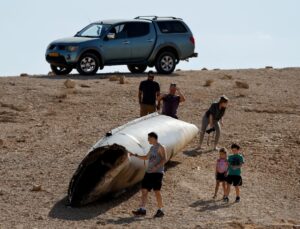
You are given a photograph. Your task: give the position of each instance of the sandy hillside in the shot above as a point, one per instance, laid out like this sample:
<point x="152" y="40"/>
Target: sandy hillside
<point x="46" y="131"/>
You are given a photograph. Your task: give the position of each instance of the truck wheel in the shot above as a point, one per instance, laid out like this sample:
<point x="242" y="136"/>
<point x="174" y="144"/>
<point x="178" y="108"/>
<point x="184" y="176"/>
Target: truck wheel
<point x="60" y="70"/>
<point x="88" y="64"/>
<point x="137" y="68"/>
<point x="165" y="63"/>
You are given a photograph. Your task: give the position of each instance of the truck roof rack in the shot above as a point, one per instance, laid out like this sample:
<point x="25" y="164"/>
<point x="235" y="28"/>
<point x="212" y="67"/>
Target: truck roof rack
<point x="153" y="17"/>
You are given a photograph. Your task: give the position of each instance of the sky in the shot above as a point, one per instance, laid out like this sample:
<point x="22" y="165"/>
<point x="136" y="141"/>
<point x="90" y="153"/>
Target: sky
<point x="229" y="34"/>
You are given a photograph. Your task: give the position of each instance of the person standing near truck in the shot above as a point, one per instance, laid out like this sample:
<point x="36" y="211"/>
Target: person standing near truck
<point x="149" y="91"/>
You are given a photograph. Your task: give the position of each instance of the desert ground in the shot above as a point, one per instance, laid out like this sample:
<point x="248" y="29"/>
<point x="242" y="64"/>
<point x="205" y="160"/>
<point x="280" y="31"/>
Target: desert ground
<point x="46" y="129"/>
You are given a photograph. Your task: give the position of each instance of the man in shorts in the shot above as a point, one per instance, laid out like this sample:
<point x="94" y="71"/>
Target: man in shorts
<point x="149" y="91"/>
<point x="153" y="176"/>
<point x="235" y="161"/>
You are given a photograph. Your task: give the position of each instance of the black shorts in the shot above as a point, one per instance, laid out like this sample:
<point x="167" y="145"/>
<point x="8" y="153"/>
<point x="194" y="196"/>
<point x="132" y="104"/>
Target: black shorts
<point x="152" y="181"/>
<point x="221" y="177"/>
<point x="234" y="180"/>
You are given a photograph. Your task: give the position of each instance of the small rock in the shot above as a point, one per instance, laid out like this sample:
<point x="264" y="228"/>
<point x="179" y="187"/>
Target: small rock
<point x="204" y="69"/>
<point x="24" y="75"/>
<point x="51" y="73"/>
<point x="12" y="84"/>
<point x="85" y="85"/>
<point x="40" y="217"/>
<point x="22" y="139"/>
<point x="70" y="83"/>
<point x="1" y="192"/>
<point x="36" y="188"/>
<point x="1" y="142"/>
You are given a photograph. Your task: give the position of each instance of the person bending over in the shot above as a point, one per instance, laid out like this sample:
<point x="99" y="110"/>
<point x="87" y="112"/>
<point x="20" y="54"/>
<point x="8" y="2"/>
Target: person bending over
<point x="212" y="119"/>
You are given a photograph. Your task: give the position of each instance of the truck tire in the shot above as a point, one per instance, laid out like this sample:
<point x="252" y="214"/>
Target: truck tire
<point x="165" y="63"/>
<point x="61" y="70"/>
<point x="137" y="68"/>
<point x="88" y="64"/>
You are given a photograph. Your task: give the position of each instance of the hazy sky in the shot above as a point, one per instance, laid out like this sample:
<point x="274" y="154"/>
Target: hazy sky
<point x="229" y="33"/>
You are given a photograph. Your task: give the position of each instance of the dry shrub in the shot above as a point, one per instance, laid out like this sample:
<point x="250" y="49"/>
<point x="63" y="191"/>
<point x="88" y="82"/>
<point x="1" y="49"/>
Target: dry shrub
<point x="62" y="95"/>
<point x="208" y="83"/>
<point x="13" y="106"/>
<point x="114" y="78"/>
<point x="269" y="67"/>
<point x="243" y="85"/>
<point x="204" y="69"/>
<point x="70" y="83"/>
<point x="227" y="77"/>
<point x="123" y="80"/>
<point x="24" y="75"/>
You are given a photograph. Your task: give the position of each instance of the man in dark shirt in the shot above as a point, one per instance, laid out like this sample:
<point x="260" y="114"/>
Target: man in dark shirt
<point x="149" y="91"/>
<point x="212" y="118"/>
<point x="171" y="101"/>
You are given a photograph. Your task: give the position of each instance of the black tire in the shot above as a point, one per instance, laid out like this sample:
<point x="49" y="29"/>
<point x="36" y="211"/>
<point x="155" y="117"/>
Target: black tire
<point x="165" y="63"/>
<point x="137" y="68"/>
<point x="88" y="64"/>
<point x="61" y="70"/>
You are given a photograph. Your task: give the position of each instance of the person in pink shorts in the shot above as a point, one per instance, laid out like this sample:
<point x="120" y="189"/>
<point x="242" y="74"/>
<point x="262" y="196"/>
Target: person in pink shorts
<point x="221" y="171"/>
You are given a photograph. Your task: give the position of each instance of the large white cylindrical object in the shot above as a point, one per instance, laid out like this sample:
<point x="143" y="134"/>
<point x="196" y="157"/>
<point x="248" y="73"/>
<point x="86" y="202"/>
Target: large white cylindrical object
<point x="108" y="168"/>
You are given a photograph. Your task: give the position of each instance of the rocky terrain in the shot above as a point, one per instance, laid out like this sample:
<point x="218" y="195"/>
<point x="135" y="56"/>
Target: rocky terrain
<point x="47" y="126"/>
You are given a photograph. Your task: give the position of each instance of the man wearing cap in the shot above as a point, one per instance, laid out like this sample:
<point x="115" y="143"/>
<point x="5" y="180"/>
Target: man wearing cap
<point x="212" y="119"/>
<point x="149" y="91"/>
<point x="171" y="101"/>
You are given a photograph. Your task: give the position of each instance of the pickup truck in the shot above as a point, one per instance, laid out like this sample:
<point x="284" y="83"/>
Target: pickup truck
<point x="145" y="41"/>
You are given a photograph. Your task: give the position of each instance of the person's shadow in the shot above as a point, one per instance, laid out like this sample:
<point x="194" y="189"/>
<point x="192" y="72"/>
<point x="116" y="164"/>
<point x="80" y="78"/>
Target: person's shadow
<point x="209" y="205"/>
<point x="61" y="210"/>
<point x="196" y="152"/>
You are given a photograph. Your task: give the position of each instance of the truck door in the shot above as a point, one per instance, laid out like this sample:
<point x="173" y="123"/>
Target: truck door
<point x="142" y="38"/>
<point x="116" y="47"/>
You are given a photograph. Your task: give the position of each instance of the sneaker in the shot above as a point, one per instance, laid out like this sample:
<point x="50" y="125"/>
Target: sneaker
<point x="139" y="212"/>
<point x="237" y="199"/>
<point x="159" y="214"/>
<point x="215" y="196"/>
<point x="226" y="199"/>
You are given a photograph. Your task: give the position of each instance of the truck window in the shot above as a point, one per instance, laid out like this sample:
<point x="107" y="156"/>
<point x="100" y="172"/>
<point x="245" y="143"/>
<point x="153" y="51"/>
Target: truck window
<point x="171" y="27"/>
<point x="138" y="29"/>
<point x="120" y="31"/>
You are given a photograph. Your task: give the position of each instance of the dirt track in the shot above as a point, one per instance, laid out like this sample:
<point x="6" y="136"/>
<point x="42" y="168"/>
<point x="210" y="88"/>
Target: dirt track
<point x="46" y="130"/>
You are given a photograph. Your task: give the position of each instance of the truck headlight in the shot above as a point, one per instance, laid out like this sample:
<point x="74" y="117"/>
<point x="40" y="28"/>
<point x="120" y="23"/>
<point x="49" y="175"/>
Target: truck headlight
<point x="71" y="48"/>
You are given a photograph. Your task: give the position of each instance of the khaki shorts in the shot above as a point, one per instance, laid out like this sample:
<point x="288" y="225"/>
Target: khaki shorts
<point x="147" y="109"/>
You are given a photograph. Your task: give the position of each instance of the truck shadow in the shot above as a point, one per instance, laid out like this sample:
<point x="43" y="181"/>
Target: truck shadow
<point x="61" y="209"/>
<point x="100" y="76"/>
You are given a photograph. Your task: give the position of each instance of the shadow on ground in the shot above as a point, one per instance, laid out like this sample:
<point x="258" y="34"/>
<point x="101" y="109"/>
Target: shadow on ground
<point x="196" y="152"/>
<point x="209" y="205"/>
<point x="98" y="76"/>
<point x="61" y="210"/>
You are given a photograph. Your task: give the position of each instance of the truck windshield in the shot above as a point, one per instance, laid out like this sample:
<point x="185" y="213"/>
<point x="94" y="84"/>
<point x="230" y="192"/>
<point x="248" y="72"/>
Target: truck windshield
<point x="93" y="30"/>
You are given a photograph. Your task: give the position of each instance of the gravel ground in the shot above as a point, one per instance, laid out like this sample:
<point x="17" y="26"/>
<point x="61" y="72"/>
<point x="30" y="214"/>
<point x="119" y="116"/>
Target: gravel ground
<point x="46" y="129"/>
